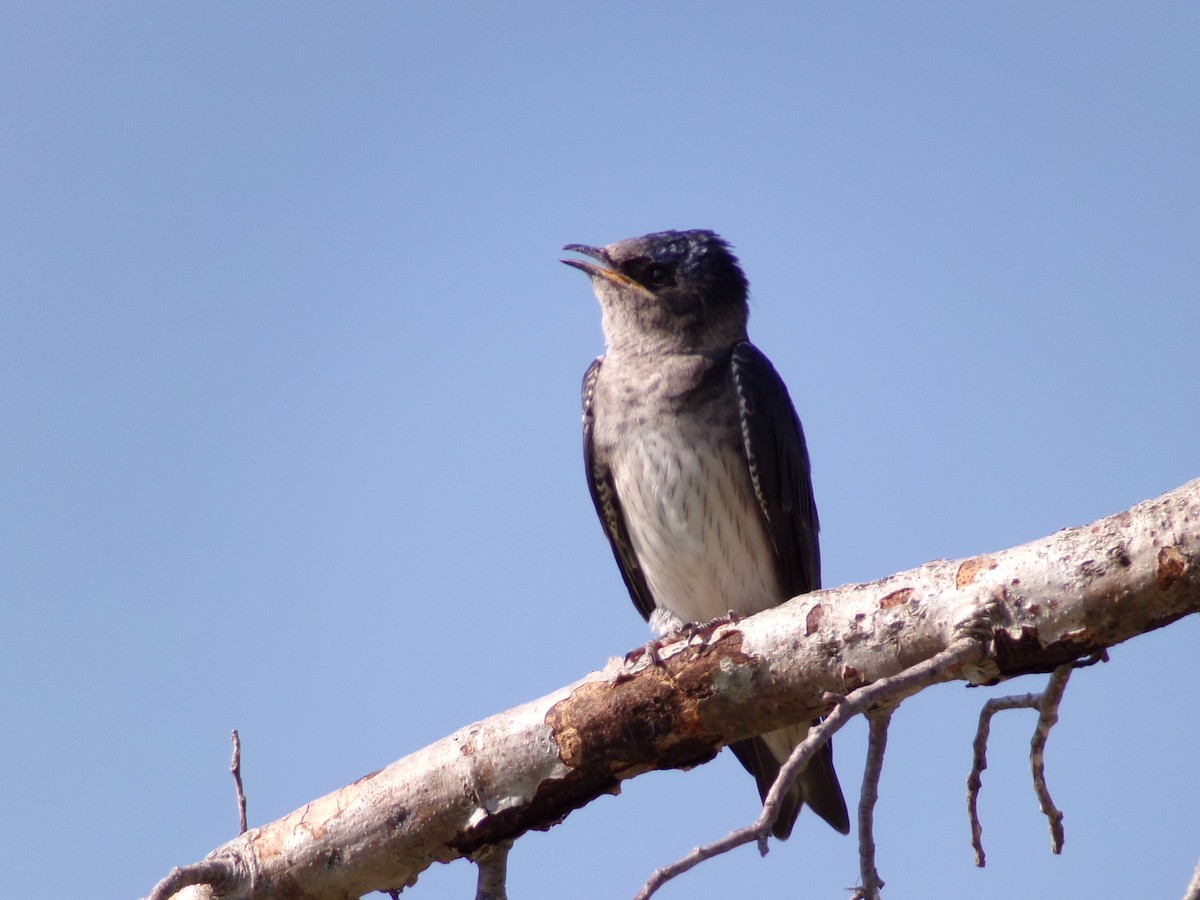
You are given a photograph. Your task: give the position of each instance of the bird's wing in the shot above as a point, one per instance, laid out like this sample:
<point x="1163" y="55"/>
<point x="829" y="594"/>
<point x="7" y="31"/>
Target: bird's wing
<point x="608" y="505"/>
<point x="778" y="460"/>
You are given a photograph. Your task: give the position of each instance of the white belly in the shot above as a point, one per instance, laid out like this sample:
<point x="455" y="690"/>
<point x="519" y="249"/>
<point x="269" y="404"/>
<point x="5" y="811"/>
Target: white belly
<point x="696" y="528"/>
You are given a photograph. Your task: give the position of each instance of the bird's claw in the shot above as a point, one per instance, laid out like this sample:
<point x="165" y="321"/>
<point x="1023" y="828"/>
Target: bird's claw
<point x="689" y="631"/>
<point x="705" y="630"/>
<point x="650" y="649"/>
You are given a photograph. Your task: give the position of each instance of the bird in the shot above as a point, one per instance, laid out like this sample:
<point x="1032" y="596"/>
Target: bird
<point x="697" y="465"/>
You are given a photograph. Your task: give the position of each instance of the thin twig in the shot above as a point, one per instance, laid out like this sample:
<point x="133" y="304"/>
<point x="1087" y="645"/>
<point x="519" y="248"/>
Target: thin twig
<point x="1193" y="888"/>
<point x="235" y="768"/>
<point x="1046" y="703"/>
<point x="211" y="872"/>
<point x="878" y="722"/>
<point x="1051" y="697"/>
<point x="886" y="690"/>
<point x="493" y="872"/>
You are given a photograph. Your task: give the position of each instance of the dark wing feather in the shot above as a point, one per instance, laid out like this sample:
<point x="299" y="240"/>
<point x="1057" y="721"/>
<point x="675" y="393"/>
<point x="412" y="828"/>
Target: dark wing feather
<point x="757" y="759"/>
<point x="778" y="460"/>
<point x="779" y="469"/>
<point x="608" y="505"/>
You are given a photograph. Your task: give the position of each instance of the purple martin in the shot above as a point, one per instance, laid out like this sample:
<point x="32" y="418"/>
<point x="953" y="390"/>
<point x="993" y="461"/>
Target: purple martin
<point x="697" y="465"/>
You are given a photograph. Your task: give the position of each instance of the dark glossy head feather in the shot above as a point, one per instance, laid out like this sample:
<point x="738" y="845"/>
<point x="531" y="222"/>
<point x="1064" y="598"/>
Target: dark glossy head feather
<point x="670" y="289"/>
<point x="696" y="262"/>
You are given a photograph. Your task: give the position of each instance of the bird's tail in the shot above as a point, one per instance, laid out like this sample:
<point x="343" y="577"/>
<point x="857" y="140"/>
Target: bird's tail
<point x="817" y="785"/>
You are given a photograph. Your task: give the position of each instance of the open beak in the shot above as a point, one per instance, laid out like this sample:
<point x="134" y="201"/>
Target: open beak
<point x="593" y="270"/>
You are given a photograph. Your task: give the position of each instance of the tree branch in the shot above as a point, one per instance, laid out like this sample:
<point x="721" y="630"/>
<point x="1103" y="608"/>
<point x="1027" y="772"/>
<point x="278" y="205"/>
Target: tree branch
<point x="1047" y="719"/>
<point x="235" y="769"/>
<point x="1029" y="609"/>
<point x="1046" y="703"/>
<point x="888" y="690"/>
<point x="1193" y="889"/>
<point x="872" y="884"/>
<point x="492" y="862"/>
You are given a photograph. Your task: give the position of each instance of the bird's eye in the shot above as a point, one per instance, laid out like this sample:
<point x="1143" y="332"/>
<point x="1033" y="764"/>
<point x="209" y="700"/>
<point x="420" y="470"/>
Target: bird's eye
<point x="649" y="272"/>
<point x="658" y="276"/>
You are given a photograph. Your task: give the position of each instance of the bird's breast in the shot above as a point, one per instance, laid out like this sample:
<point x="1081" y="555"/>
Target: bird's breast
<point x="692" y="516"/>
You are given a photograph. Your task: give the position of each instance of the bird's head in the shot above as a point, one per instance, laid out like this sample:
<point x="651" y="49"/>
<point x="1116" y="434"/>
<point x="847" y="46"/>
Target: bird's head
<point x="672" y="291"/>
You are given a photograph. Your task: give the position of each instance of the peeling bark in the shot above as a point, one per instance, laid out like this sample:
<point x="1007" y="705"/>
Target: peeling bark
<point x="1067" y="596"/>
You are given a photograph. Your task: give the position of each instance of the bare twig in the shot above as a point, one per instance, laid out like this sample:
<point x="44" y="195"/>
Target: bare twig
<point x="872" y="884"/>
<point x="886" y="690"/>
<point x="979" y="756"/>
<point x="211" y="872"/>
<point x="1051" y="697"/>
<point x="493" y="872"/>
<point x="1193" y="888"/>
<point x="1047" y="705"/>
<point x="235" y="768"/>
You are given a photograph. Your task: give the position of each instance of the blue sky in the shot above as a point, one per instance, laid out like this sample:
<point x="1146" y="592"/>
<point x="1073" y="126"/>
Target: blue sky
<point x="290" y="381"/>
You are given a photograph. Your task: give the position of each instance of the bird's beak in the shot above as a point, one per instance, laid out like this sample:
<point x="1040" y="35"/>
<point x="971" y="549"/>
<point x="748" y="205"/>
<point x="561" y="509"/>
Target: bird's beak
<point x="593" y="270"/>
<point x="593" y="252"/>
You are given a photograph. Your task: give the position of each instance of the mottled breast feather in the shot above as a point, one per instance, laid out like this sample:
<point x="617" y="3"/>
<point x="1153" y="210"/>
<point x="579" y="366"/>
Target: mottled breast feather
<point x="608" y="507"/>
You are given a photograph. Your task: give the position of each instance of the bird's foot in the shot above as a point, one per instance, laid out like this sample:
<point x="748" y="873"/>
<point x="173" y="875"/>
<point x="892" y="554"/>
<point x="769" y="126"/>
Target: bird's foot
<point x="688" y="631"/>
<point x="633" y="658"/>
<point x="705" y="630"/>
